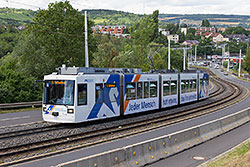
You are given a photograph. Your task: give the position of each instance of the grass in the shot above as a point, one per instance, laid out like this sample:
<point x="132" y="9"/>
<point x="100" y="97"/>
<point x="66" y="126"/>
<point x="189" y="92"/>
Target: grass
<point x="239" y="157"/>
<point x="4" y="111"/>
<point x="201" y="67"/>
<point x="20" y="15"/>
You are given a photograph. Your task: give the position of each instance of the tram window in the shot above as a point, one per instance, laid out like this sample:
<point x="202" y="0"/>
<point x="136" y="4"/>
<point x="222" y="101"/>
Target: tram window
<point x="82" y="94"/>
<point x="153" y="89"/>
<point x="131" y="91"/>
<point x="183" y="83"/>
<point x="139" y="90"/>
<point x="166" y="88"/>
<point x="98" y="93"/>
<point x="173" y="87"/>
<point x="146" y="89"/>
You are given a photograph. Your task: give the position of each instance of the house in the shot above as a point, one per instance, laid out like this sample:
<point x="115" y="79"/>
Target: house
<point x="215" y="37"/>
<point x="163" y="32"/>
<point x="221" y="29"/>
<point x="174" y="38"/>
<point x="21" y="27"/>
<point x="122" y="35"/>
<point x="184" y="30"/>
<point x="108" y="29"/>
<point x="201" y="30"/>
<point x="190" y="43"/>
<point x="238" y="37"/>
<point x="116" y="31"/>
<point x="206" y="35"/>
<point x="204" y="29"/>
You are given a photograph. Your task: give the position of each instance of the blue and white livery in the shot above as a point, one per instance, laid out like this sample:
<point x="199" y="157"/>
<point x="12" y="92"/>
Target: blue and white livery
<point x="76" y="94"/>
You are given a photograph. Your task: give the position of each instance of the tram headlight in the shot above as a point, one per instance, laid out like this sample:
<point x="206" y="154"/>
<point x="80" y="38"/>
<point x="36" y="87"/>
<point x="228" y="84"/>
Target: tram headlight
<point x="71" y="111"/>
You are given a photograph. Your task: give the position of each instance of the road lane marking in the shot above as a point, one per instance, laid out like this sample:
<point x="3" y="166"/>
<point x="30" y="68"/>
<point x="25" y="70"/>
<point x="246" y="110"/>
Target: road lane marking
<point x="15" y="118"/>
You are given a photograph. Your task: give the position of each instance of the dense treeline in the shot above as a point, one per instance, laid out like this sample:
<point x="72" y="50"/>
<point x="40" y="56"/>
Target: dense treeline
<point x="8" y="39"/>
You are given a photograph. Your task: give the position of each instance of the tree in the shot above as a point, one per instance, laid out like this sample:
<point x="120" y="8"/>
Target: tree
<point x="108" y="49"/>
<point x="143" y="32"/>
<point x="156" y="25"/>
<point x="246" y="62"/>
<point x="172" y="28"/>
<point x="15" y="86"/>
<point x="57" y="37"/>
<point x="205" y="23"/>
<point x="236" y="30"/>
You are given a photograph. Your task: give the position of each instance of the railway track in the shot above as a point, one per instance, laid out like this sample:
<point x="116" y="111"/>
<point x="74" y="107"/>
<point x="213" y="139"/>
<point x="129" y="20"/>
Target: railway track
<point x="224" y="93"/>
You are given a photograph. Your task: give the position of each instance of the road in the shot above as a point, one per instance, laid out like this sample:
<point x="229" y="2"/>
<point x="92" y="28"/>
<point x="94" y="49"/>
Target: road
<point x="220" y="144"/>
<point x="211" y="148"/>
<point x="16" y="118"/>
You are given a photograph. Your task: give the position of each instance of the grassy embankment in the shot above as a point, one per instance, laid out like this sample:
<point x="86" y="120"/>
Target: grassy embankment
<point x="4" y="111"/>
<point x="238" y="157"/>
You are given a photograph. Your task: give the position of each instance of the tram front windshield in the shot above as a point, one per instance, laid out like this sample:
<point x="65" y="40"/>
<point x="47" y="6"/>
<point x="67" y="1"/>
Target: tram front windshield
<point x="60" y="92"/>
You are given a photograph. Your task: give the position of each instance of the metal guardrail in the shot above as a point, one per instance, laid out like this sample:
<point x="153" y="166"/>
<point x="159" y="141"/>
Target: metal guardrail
<point x="22" y="104"/>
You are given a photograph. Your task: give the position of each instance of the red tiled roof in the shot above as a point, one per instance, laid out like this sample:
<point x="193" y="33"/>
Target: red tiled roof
<point x="215" y="35"/>
<point x="206" y="33"/>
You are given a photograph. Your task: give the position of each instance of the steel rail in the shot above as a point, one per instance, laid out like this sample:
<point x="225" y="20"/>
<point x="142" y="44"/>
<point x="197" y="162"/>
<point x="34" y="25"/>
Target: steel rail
<point x="109" y="131"/>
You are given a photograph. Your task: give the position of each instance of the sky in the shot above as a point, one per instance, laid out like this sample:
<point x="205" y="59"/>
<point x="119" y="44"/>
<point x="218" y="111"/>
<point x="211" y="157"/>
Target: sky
<point x="241" y="7"/>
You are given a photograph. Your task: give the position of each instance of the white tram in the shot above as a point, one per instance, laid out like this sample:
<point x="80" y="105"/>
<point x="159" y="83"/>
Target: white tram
<point x="76" y="94"/>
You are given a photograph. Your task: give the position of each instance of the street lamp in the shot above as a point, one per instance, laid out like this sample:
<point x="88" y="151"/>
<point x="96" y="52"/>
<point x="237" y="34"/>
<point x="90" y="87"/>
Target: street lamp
<point x="228" y="61"/>
<point x="239" y="64"/>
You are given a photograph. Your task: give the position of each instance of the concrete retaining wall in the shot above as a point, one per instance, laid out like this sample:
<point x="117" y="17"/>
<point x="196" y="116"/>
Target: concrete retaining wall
<point x="152" y="150"/>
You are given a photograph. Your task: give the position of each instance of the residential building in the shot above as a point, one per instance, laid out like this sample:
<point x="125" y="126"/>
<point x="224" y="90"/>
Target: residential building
<point x="174" y="38"/>
<point x="116" y="31"/>
<point x="238" y="37"/>
<point x="184" y="30"/>
<point x="201" y="30"/>
<point x="217" y="37"/>
<point x="122" y="35"/>
<point x="221" y="29"/>
<point x="206" y="35"/>
<point x="163" y="32"/>
<point x="190" y="43"/>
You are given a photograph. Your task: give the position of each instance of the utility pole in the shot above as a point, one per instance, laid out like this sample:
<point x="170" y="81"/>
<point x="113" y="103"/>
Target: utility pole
<point x="189" y="56"/>
<point x="184" y="59"/>
<point x="86" y="42"/>
<point x="228" y="59"/>
<point x="239" y="64"/>
<point x="169" y="53"/>
<point x="195" y="53"/>
<point x="184" y="55"/>
<point x="223" y="51"/>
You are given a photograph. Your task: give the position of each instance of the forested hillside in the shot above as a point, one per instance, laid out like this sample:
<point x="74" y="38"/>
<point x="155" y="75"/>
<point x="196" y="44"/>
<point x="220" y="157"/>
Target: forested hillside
<point x="15" y="16"/>
<point x="215" y="19"/>
<point x="113" y="17"/>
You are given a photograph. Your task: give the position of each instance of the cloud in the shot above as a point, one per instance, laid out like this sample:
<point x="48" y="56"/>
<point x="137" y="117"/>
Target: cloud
<point x="146" y="6"/>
